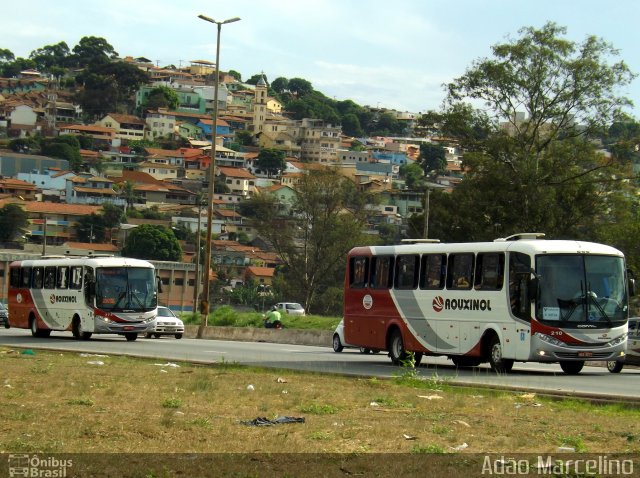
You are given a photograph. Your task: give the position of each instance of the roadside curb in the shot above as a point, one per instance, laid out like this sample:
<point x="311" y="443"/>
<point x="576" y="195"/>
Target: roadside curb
<point x="320" y="338"/>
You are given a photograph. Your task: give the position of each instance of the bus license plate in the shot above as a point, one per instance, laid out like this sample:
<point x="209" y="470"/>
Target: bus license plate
<point x="585" y="354"/>
<point x="127" y="327"/>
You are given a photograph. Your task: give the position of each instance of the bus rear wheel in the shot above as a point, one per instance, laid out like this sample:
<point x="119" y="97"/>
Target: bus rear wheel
<point x="498" y="363"/>
<point x="571" y="367"/>
<point x="337" y="345"/>
<point x="397" y="352"/>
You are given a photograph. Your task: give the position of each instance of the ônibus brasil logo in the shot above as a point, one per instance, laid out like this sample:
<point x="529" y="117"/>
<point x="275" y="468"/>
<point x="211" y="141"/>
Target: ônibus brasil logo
<point x="439" y="303"/>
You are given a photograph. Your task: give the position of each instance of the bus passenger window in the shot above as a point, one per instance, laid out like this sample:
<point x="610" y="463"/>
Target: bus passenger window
<point x="50" y="277"/>
<point x="406" y="272"/>
<point x="358" y="271"/>
<point x="25" y="277"/>
<point x="460" y="273"/>
<point x="433" y="271"/>
<point x="14" y="277"/>
<point x="489" y="271"/>
<point x="38" y="273"/>
<point x="381" y="268"/>
<point x="76" y="278"/>
<point x="63" y="278"/>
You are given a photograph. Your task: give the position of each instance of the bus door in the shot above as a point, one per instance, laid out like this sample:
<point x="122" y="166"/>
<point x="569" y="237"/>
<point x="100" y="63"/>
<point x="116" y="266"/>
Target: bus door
<point x="519" y="305"/>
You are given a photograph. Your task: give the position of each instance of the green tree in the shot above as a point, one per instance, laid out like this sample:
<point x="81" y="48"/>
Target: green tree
<point x="271" y="161"/>
<point x="537" y="171"/>
<point x="152" y="242"/>
<point x="351" y="125"/>
<point x="63" y="147"/>
<point x="244" y="137"/>
<point x="51" y="57"/>
<point x="127" y="191"/>
<point x="10" y="69"/>
<point x="91" y="51"/>
<point x="432" y="158"/>
<point x="413" y="174"/>
<point x="235" y="74"/>
<point x="13" y="222"/>
<point x="256" y="78"/>
<point x="6" y="55"/>
<point x="299" y="87"/>
<point x="280" y="85"/>
<point x="328" y="220"/>
<point x="162" y="97"/>
<point x="91" y="228"/>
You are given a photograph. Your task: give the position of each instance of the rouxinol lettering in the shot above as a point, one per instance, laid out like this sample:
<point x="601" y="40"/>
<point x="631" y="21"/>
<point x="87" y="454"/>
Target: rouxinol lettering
<point x="467" y="304"/>
<point x="65" y="298"/>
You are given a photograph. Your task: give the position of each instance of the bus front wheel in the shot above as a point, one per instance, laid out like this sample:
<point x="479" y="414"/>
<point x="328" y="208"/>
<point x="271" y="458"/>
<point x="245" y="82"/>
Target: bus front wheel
<point x="498" y="363"/>
<point x="614" y="366"/>
<point x="131" y="336"/>
<point x="77" y="330"/>
<point x="571" y="368"/>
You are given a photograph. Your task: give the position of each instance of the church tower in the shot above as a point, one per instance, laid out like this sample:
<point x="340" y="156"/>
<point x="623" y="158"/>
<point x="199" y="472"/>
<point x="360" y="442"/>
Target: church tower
<point x="260" y="106"/>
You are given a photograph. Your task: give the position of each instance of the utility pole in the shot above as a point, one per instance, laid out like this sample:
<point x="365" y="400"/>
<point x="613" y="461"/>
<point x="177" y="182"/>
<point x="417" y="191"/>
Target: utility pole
<point x="44" y="237"/>
<point x="426" y="213"/>
<point x="196" y="288"/>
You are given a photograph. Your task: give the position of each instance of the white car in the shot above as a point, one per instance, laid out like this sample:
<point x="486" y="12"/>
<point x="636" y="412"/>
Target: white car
<point x="633" y="348"/>
<point x="290" y="308"/>
<point x="339" y="344"/>
<point x="167" y="324"/>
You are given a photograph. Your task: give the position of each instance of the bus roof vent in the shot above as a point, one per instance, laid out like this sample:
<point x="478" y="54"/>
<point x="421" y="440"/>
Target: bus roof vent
<point x="420" y="241"/>
<point x="53" y="256"/>
<point x="521" y="236"/>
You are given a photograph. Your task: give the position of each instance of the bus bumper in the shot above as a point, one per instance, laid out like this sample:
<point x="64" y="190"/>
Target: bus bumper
<point x="548" y="349"/>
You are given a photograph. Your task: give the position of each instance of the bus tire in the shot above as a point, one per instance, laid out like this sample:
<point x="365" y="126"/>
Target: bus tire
<point x="396" y="348"/>
<point x="496" y="361"/>
<point x="614" y="366"/>
<point x="178" y="336"/>
<point x="365" y="350"/>
<point x="337" y="345"/>
<point x="35" y="331"/>
<point x="571" y="367"/>
<point x="130" y="336"/>
<point x="77" y="331"/>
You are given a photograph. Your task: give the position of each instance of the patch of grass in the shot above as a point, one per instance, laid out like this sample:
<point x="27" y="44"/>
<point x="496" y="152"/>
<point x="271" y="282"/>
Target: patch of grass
<point x="202" y="422"/>
<point x="574" y="441"/>
<point x="428" y="449"/>
<point x="87" y="402"/>
<point x="391" y="403"/>
<point x="172" y="403"/>
<point x="320" y="435"/>
<point x="317" y="409"/>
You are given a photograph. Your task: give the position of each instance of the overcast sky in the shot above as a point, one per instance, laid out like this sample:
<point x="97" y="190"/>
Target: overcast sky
<point x="392" y="53"/>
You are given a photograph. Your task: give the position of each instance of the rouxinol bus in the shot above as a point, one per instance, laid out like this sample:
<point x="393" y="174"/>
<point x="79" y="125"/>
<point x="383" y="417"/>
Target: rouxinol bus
<point x="520" y="298"/>
<point x="86" y="295"/>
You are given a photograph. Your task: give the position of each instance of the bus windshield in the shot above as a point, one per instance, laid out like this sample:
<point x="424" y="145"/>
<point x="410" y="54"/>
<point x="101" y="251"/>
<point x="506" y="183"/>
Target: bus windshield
<point x="581" y="290"/>
<point x="126" y="289"/>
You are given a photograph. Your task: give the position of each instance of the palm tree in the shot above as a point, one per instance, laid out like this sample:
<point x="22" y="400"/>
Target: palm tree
<point x="127" y="191"/>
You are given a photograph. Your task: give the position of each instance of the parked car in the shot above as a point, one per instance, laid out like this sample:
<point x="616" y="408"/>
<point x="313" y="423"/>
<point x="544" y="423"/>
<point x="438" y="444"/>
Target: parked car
<point x="4" y="316"/>
<point x="291" y="308"/>
<point x="633" y="348"/>
<point x="167" y="324"/>
<point x="339" y="343"/>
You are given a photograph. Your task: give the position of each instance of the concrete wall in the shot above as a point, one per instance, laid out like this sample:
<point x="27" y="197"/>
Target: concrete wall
<point x="320" y="338"/>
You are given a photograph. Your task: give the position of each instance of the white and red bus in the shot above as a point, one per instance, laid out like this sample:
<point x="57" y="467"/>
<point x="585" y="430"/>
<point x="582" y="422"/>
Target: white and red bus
<point x="86" y="295"/>
<point x="520" y="298"/>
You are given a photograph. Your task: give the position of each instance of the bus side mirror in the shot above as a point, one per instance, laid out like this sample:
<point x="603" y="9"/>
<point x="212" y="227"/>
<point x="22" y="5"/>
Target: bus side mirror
<point x="532" y="288"/>
<point x="632" y="287"/>
<point x="159" y="285"/>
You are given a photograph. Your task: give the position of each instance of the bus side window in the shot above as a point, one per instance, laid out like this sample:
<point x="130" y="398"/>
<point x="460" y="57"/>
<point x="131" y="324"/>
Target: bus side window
<point x="381" y="272"/>
<point x="406" y="276"/>
<point x="50" y="277"/>
<point x="460" y="271"/>
<point x="433" y="271"/>
<point x="63" y="278"/>
<point x="519" y="267"/>
<point x="489" y="271"/>
<point x="14" y="277"/>
<point x="38" y="273"/>
<point x="76" y="278"/>
<point x="25" y="277"/>
<point x="358" y="271"/>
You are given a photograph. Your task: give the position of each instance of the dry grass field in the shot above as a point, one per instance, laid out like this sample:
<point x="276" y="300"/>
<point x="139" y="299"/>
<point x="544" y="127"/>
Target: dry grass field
<point x="74" y="403"/>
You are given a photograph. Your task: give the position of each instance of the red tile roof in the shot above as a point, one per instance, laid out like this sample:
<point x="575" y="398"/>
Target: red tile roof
<point x="119" y="118"/>
<point x="91" y="246"/>
<point x="261" y="271"/>
<point x="61" y="208"/>
<point x="235" y="172"/>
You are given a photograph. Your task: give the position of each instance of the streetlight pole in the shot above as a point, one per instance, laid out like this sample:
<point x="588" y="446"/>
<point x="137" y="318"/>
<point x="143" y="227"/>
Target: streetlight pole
<point x="196" y="288"/>
<point x="204" y="302"/>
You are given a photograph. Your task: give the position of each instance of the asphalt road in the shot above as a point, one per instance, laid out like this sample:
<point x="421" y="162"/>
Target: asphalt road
<point x="592" y="381"/>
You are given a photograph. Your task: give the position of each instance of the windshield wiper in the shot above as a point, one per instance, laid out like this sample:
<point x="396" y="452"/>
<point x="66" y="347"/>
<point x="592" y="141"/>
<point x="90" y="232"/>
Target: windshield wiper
<point x="594" y="299"/>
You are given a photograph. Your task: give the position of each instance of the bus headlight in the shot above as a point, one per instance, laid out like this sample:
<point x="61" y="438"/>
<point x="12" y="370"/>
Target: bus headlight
<point x="548" y="339"/>
<point x="617" y="341"/>
<point x="150" y="319"/>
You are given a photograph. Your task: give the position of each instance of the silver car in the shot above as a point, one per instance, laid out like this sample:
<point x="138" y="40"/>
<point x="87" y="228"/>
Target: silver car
<point x="167" y="324"/>
<point x="4" y="316"/>
<point x="633" y="348"/>
<point x="290" y="308"/>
